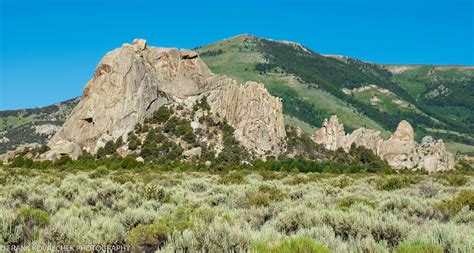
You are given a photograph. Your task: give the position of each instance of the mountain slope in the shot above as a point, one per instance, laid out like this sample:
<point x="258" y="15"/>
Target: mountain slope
<point x="241" y="58"/>
<point x="32" y="125"/>
<point x="314" y="86"/>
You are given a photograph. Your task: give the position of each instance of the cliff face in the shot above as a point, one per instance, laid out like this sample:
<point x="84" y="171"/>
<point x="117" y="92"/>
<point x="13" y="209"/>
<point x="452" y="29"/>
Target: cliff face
<point x="400" y="150"/>
<point x="131" y="82"/>
<point x="253" y="112"/>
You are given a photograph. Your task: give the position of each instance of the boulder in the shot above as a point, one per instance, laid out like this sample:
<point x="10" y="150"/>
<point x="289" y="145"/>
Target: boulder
<point x="61" y="148"/>
<point x="194" y="152"/>
<point x="139" y="43"/>
<point x="427" y="142"/>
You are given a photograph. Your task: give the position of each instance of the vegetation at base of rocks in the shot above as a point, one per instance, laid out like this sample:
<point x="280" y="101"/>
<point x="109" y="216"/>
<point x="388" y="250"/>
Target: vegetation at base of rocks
<point x="173" y="208"/>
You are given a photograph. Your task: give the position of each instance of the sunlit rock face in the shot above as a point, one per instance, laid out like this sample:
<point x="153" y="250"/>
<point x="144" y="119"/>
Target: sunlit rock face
<point x="401" y="150"/>
<point x="131" y="82"/>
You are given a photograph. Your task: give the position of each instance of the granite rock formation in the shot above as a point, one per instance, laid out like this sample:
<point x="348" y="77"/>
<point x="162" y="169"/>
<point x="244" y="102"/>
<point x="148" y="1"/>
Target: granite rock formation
<point x="131" y="82"/>
<point x="400" y="150"/>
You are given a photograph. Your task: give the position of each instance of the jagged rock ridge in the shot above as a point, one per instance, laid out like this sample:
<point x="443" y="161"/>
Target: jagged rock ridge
<point x="400" y="150"/>
<point x="131" y="82"/>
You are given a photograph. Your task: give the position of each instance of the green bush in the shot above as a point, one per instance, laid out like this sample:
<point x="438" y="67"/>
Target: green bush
<point x="129" y="162"/>
<point x="418" y="247"/>
<point x="133" y="142"/>
<point x="233" y="177"/>
<point x="453" y="206"/>
<point x="20" y="161"/>
<point x="32" y="219"/>
<point x="265" y="195"/>
<point x="161" y="115"/>
<point x="347" y="202"/>
<point x="451" y="179"/>
<point x="154" y="192"/>
<point x="106" y="150"/>
<point x="293" y="245"/>
<point x="396" y="182"/>
<point x="99" y="172"/>
<point x="148" y="238"/>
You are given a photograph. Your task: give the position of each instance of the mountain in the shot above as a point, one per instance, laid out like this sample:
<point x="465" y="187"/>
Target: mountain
<point x="32" y="125"/>
<point x="436" y="100"/>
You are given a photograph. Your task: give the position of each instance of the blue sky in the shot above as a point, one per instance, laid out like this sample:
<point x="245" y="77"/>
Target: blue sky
<point x="49" y="49"/>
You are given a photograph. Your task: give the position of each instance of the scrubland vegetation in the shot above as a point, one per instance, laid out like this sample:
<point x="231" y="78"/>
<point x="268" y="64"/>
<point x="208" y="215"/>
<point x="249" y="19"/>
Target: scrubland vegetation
<point x="182" y="209"/>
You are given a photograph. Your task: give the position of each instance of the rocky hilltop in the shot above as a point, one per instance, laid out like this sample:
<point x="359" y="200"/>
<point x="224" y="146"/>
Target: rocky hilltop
<point x="400" y="150"/>
<point x="133" y="81"/>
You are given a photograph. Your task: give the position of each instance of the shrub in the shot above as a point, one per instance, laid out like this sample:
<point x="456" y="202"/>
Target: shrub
<point x="106" y="150"/>
<point x="390" y="231"/>
<point x="265" y="195"/>
<point x="154" y="192"/>
<point x="161" y="115"/>
<point x="418" y="247"/>
<point x="293" y="245"/>
<point x="347" y="202"/>
<point x="233" y="177"/>
<point x="32" y="219"/>
<point x="290" y="221"/>
<point x="62" y="161"/>
<point x="99" y="172"/>
<point x="20" y="161"/>
<point x="128" y="162"/>
<point x="396" y="182"/>
<point x="452" y="179"/>
<point x="10" y="229"/>
<point x="453" y="206"/>
<point x="148" y="238"/>
<point x="133" y="142"/>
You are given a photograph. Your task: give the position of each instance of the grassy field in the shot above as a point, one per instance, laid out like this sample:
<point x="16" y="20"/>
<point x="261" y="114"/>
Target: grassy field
<point x="239" y="211"/>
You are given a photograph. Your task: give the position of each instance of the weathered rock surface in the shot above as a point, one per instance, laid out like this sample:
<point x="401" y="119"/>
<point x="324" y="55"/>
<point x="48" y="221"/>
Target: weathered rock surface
<point x="131" y="82"/>
<point x="20" y="149"/>
<point x="253" y="112"/>
<point x="364" y="137"/>
<point x="400" y="150"/>
<point x="46" y="129"/>
<point x="63" y="147"/>
<point x="194" y="152"/>
<point x="331" y="134"/>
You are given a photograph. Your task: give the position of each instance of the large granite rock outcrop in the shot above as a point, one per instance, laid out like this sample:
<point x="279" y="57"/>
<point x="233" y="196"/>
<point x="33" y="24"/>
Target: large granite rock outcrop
<point x="400" y="150"/>
<point x="131" y="82"/>
<point x="256" y="115"/>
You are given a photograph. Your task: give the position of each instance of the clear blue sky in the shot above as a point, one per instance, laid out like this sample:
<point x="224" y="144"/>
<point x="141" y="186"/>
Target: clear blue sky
<point x="49" y="49"/>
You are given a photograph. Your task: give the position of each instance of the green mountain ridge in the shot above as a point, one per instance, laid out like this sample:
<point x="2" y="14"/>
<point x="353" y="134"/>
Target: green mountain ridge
<point x="312" y="87"/>
<point x="436" y="100"/>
